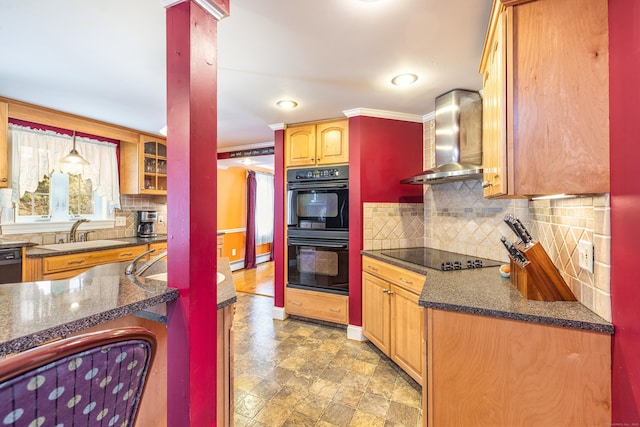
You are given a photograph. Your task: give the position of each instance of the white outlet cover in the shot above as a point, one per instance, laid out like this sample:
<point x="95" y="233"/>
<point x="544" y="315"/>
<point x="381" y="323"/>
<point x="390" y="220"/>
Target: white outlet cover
<point x="585" y="255"/>
<point x="121" y="221"/>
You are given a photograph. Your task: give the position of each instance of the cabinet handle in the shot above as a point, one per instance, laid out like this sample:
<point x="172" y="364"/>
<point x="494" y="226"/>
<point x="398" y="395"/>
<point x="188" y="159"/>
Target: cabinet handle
<point x="390" y="292"/>
<point x="408" y="282"/>
<point x="385" y="290"/>
<point x="370" y="267"/>
<point x="296" y="303"/>
<point x="486" y="184"/>
<point x="127" y="254"/>
<point x="80" y="261"/>
<point x="318" y="159"/>
<point x="335" y="310"/>
<point x="311" y="159"/>
<point x="4" y="180"/>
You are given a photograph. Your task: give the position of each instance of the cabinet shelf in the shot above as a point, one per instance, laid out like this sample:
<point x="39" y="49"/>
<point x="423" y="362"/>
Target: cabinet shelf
<point x="143" y="166"/>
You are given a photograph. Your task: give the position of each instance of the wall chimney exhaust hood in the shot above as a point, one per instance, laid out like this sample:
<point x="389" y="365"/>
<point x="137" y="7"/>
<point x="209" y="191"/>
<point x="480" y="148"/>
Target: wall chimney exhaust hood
<point x="458" y="139"/>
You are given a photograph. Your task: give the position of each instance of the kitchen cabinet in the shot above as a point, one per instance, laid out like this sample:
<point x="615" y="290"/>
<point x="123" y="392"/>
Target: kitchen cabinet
<point x="392" y="318"/>
<point x="220" y="244"/>
<point x="319" y="143"/>
<point x="489" y="371"/>
<point x="545" y="106"/>
<point x="70" y="265"/>
<point x="317" y="305"/>
<point x="224" y="395"/>
<point x="4" y="144"/>
<point x="143" y="166"/>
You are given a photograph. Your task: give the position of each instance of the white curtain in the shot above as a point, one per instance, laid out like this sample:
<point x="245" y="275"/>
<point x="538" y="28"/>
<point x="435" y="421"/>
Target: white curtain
<point x="264" y="208"/>
<point x="37" y="154"/>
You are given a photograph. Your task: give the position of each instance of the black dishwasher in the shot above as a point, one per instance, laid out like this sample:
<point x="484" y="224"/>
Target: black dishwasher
<point x="11" y="265"/>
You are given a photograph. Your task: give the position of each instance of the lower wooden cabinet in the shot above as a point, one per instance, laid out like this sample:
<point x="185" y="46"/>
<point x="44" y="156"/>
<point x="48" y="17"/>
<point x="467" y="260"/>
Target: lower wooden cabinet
<point x="392" y="319"/>
<point x="486" y="371"/>
<point x="317" y="305"/>
<point x="67" y="266"/>
<point x="224" y="411"/>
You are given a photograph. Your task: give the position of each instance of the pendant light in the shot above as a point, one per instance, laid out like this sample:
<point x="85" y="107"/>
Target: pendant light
<point x="73" y="156"/>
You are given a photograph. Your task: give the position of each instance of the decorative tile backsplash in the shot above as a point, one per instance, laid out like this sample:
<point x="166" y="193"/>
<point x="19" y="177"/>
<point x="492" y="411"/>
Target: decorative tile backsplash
<point x="130" y="204"/>
<point x="393" y="225"/>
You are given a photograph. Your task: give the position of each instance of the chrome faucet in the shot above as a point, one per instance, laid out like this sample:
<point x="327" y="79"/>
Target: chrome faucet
<point x="131" y="268"/>
<point x="74" y="228"/>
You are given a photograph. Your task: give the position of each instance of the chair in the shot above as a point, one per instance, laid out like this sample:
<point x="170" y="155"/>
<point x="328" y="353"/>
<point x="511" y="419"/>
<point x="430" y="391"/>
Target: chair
<point x="94" y="379"/>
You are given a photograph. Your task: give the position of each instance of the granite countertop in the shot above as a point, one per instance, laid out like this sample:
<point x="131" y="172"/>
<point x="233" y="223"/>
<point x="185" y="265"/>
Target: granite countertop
<point x="9" y="244"/>
<point x="484" y="292"/>
<point x="36" y="312"/>
<point x="36" y="252"/>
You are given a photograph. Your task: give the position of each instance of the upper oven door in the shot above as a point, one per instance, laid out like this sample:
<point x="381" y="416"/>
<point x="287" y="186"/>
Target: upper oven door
<point x="318" y="206"/>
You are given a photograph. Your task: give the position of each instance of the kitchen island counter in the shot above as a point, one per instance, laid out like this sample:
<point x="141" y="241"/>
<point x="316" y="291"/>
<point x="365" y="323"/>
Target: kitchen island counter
<point x="35" y="252"/>
<point x="484" y="292"/>
<point x="36" y="312"/>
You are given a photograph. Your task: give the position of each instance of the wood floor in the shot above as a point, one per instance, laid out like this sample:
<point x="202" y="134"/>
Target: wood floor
<point x="256" y="281"/>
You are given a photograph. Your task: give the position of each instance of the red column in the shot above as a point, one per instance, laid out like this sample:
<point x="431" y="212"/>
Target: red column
<point x="279" y="219"/>
<point x="191" y="199"/>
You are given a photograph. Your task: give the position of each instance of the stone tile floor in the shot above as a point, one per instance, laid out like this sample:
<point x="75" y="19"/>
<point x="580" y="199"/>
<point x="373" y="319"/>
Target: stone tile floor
<point x="300" y="373"/>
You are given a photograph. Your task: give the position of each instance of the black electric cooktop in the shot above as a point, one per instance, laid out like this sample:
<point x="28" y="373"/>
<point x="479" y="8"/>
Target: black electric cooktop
<point x="439" y="260"/>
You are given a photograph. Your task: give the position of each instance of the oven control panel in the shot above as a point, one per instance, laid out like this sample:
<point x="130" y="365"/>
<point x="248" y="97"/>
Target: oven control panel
<point x="320" y="174"/>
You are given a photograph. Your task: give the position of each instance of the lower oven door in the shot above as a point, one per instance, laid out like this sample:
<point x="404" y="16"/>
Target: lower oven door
<point x="319" y="265"/>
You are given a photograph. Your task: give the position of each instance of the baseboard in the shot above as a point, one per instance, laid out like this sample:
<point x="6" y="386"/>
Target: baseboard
<point x="279" y="313"/>
<point x="239" y="263"/>
<point x="355" y="333"/>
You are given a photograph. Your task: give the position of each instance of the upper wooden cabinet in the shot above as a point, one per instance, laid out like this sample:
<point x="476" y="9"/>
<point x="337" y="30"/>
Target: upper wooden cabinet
<point x="4" y="146"/>
<point x="143" y="166"/>
<point x="546" y="104"/>
<point x="320" y="143"/>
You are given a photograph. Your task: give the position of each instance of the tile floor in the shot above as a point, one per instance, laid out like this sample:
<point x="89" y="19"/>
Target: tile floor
<point x="299" y="373"/>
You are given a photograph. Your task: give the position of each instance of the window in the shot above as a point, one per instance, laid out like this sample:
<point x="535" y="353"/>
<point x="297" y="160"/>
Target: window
<point x="264" y="208"/>
<point x="46" y="190"/>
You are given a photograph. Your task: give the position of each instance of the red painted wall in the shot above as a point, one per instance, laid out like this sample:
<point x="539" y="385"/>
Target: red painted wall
<point x="624" y="110"/>
<point x="381" y="153"/>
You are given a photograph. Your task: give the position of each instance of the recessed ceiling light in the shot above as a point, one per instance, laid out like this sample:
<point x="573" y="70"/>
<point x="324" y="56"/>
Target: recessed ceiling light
<point x="287" y="104"/>
<point x="404" y="79"/>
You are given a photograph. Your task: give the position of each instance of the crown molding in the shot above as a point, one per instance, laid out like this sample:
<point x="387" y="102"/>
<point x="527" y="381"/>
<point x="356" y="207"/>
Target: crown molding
<point x="429" y="116"/>
<point x="382" y="114"/>
<point x="208" y="5"/>
<point x="278" y="126"/>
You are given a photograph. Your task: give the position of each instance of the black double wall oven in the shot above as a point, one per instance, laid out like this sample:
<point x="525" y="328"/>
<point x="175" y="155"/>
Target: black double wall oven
<point x="318" y="229"/>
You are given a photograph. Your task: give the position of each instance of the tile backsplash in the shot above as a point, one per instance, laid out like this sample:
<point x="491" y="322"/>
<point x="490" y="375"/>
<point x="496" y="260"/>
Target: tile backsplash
<point x="393" y="225"/>
<point x="130" y="204"/>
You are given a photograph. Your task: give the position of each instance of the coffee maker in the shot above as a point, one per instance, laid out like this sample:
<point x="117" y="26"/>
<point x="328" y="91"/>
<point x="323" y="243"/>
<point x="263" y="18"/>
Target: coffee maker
<point x="147" y="223"/>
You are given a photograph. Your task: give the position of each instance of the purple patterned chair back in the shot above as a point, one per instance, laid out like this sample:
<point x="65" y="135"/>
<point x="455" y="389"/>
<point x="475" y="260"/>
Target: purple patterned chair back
<point x="95" y="379"/>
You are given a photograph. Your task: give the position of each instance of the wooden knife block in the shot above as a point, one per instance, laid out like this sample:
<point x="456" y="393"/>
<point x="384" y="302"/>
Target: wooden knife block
<point x="539" y="279"/>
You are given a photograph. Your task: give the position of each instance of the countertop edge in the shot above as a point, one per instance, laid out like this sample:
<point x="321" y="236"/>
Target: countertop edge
<point x="26" y="342"/>
<point x="35" y="252"/>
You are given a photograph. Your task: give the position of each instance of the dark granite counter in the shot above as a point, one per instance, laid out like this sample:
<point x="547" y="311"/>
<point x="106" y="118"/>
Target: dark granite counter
<point x="37" y="252"/>
<point x="36" y="312"/>
<point x="484" y="292"/>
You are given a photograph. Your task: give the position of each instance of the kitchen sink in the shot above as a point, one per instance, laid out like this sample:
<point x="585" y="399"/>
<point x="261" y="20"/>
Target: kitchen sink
<point x="163" y="276"/>
<point x="82" y="245"/>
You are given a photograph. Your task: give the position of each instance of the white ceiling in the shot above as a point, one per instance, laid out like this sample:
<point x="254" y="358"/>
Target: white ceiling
<point x="106" y="59"/>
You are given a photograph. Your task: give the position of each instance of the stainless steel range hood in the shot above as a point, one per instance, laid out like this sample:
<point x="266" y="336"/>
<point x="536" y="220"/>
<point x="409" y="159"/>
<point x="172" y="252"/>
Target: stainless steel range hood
<point x="458" y="139"/>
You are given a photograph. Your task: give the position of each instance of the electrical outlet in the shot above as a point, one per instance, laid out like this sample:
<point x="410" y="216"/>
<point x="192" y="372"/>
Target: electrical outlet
<point x="161" y="219"/>
<point x="121" y="221"/>
<point x="233" y="252"/>
<point x="585" y="255"/>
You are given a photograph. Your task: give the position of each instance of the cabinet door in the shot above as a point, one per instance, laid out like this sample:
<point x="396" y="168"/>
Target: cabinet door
<point x="376" y="311"/>
<point x="153" y="165"/>
<point x="300" y="146"/>
<point x="407" y="332"/>
<point x="333" y="142"/>
<point x="494" y="129"/>
<point x="4" y="147"/>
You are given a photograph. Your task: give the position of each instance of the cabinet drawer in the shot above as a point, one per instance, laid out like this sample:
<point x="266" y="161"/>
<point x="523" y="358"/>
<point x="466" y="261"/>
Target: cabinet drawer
<point x="318" y="305"/>
<point x="407" y="279"/>
<point x="90" y="259"/>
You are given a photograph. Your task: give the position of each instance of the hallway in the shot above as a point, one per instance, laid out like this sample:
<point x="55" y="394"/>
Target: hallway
<point x="298" y="373"/>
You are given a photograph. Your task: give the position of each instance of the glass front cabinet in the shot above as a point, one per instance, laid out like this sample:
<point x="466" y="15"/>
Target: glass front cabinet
<point x="143" y="166"/>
